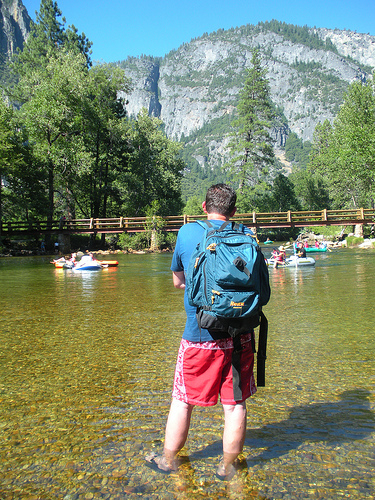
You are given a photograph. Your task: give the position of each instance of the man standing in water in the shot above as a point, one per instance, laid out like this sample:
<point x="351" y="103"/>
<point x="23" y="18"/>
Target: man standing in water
<point x="203" y="369"/>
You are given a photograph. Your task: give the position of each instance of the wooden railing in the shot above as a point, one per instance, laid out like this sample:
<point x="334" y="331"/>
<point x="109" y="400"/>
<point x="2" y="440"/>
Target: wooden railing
<point x="173" y="223"/>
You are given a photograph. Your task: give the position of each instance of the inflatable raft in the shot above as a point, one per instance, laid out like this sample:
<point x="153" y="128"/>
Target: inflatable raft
<point x="91" y="265"/>
<point x="94" y="265"/>
<point x="314" y="249"/>
<point x="292" y="261"/>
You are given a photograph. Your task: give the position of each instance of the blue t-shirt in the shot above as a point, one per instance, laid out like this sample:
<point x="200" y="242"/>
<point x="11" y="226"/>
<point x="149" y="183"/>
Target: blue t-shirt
<point x="188" y="238"/>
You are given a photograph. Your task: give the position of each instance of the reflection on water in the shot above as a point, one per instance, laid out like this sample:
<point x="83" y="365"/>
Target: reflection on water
<point x="86" y="367"/>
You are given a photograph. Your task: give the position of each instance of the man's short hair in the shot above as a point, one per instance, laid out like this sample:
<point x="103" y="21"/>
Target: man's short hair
<point x="221" y="199"/>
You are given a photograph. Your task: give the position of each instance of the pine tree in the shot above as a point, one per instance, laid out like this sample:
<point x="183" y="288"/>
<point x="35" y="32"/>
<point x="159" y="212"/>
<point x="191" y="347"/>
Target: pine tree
<point x="252" y="146"/>
<point x="47" y="35"/>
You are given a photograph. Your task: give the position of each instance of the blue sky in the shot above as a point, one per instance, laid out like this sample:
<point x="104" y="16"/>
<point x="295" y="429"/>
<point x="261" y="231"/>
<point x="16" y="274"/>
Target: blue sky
<point x="122" y="28"/>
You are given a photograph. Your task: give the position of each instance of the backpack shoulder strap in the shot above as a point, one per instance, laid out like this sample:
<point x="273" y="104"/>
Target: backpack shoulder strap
<point x="238" y="227"/>
<point x="235" y="226"/>
<point x="204" y="223"/>
<point x="224" y="225"/>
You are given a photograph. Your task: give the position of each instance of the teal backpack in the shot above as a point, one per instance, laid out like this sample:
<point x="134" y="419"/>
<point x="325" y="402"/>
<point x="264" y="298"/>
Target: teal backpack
<point x="227" y="281"/>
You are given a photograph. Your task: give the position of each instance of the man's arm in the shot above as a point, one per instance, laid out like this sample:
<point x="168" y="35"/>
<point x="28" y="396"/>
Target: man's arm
<point x="179" y="279"/>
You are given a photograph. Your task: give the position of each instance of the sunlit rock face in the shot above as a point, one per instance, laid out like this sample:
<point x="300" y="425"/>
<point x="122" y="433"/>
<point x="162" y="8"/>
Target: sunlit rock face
<point x="14" y="26"/>
<point x="198" y="84"/>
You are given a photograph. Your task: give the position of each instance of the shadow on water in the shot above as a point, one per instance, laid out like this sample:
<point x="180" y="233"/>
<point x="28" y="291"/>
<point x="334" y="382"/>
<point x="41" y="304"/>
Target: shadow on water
<point x="334" y="423"/>
<point x="321" y="450"/>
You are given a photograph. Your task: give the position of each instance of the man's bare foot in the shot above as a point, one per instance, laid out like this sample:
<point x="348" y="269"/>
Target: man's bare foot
<point x="159" y="463"/>
<point x="226" y="473"/>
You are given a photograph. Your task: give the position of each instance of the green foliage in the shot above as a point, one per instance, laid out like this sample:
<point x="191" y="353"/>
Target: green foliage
<point x="283" y="195"/>
<point x="252" y="146"/>
<point x="343" y="152"/>
<point x="328" y="232"/>
<point x="199" y="176"/>
<point x="297" y="151"/>
<point x="194" y="206"/>
<point x="81" y="156"/>
<point x="153" y="169"/>
<point x="353" y="241"/>
<point x="299" y="34"/>
<point x="54" y="104"/>
<point x="256" y="198"/>
<point x="311" y="190"/>
<point x="169" y="240"/>
<point x="105" y="135"/>
<point x="154" y="223"/>
<point x="133" y="241"/>
<point x="22" y="188"/>
<point x="48" y="34"/>
<point x="141" y="241"/>
<point x="197" y="179"/>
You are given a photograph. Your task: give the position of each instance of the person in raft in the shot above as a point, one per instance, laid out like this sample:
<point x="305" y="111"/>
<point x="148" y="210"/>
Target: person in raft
<point x="279" y="256"/>
<point x="301" y="250"/>
<point x="203" y="369"/>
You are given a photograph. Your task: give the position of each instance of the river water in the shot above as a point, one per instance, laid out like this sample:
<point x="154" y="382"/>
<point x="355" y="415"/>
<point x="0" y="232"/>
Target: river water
<point x="86" y="368"/>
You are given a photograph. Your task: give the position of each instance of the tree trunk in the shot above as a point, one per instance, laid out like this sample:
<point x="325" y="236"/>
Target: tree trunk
<point x="358" y="231"/>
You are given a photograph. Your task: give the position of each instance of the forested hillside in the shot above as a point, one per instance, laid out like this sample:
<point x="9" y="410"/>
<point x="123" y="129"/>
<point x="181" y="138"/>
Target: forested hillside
<point x="194" y="89"/>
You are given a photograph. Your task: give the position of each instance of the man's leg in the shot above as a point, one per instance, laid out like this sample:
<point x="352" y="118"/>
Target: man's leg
<point x="234" y="435"/>
<point x="177" y="428"/>
<point x="176" y="433"/>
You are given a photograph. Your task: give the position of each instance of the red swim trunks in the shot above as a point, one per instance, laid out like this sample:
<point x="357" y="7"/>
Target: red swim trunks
<point x="204" y="370"/>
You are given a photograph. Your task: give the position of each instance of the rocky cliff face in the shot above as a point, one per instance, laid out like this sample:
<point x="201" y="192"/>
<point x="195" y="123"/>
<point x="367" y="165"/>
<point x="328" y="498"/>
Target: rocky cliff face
<point x="14" y="26"/>
<point x="197" y="85"/>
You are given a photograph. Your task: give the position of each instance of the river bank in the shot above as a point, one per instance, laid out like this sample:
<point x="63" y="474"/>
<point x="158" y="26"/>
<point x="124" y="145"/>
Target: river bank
<point x="27" y="248"/>
<point x="33" y="253"/>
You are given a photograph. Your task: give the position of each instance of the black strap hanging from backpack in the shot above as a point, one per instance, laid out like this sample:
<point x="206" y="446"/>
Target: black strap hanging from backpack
<point x="261" y="357"/>
<point x="262" y="351"/>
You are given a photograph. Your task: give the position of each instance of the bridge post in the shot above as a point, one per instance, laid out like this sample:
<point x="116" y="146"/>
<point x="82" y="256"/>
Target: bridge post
<point x="64" y="242"/>
<point x="358" y="230"/>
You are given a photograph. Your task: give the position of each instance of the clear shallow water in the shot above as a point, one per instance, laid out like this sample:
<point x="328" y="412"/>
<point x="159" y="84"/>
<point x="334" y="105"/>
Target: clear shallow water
<point x="85" y="384"/>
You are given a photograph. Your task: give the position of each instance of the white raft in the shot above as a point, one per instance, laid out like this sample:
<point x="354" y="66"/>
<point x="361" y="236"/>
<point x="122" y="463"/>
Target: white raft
<point x="292" y="261"/>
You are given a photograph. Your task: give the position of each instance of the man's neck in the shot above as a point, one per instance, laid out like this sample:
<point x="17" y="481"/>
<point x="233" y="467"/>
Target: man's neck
<point x="217" y="217"/>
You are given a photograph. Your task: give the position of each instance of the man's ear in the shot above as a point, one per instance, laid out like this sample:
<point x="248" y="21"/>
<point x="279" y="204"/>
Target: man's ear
<point x="204" y="207"/>
<point x="233" y="212"/>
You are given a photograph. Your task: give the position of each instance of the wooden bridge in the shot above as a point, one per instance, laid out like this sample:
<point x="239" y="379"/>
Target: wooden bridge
<point x="258" y="220"/>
